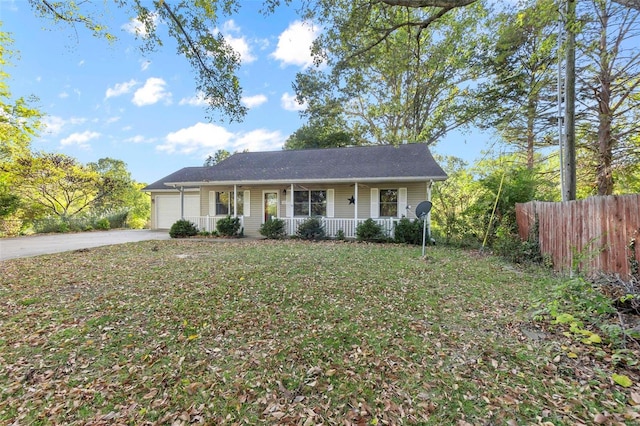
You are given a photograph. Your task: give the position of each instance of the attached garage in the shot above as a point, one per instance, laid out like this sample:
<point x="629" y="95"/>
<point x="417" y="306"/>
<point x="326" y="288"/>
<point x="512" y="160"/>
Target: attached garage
<point x="167" y="208"/>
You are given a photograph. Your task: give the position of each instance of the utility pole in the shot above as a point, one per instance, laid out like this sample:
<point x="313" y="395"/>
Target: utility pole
<point x="569" y="151"/>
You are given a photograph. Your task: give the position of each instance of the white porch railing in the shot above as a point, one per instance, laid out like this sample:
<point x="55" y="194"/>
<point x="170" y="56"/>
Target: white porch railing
<point x="208" y="223"/>
<point x="347" y="226"/>
<point x="331" y="225"/>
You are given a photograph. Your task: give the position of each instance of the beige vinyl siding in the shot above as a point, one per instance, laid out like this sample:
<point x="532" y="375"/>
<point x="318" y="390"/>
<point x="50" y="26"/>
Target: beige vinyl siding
<point x="252" y="223"/>
<point x="341" y="206"/>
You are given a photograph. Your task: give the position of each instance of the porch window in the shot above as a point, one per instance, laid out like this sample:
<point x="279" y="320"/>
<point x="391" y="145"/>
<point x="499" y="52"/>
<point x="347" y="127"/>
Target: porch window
<point x="224" y="203"/>
<point x="310" y="203"/>
<point x="389" y="202"/>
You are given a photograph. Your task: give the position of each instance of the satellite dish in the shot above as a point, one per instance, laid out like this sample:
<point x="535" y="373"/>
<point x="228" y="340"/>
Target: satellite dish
<point x="423" y="209"/>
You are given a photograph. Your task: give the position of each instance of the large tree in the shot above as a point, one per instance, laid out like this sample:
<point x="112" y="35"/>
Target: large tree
<point x="522" y="86"/>
<point x="19" y="120"/>
<point x="54" y="183"/>
<point x="609" y="84"/>
<point x="412" y="85"/>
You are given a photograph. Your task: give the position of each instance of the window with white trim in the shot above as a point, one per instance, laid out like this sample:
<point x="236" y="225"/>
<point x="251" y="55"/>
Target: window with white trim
<point x="310" y="203"/>
<point x="389" y="203"/>
<point x="223" y="204"/>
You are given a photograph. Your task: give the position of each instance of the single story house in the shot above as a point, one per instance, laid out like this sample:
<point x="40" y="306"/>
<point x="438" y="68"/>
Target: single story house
<point x="344" y="186"/>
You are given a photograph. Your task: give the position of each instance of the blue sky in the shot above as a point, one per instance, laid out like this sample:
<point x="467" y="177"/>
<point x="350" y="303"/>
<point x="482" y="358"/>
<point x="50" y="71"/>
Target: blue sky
<point x="108" y="100"/>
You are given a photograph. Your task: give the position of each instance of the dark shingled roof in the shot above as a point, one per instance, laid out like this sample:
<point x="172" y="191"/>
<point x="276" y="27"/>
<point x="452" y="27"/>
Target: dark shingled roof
<point x="361" y="164"/>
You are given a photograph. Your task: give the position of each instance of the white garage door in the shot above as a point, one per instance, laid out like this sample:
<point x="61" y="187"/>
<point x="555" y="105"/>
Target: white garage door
<point x="168" y="209"/>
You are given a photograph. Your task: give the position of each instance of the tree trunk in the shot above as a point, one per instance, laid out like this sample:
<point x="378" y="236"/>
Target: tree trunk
<point x="569" y="184"/>
<point x="531" y="117"/>
<point x="604" y="175"/>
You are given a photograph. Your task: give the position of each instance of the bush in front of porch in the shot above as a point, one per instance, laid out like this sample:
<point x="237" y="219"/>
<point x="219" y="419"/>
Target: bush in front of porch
<point x="273" y="229"/>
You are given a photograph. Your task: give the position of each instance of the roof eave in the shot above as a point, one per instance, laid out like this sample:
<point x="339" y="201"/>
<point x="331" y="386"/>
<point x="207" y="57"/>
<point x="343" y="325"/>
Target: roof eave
<point x="307" y="181"/>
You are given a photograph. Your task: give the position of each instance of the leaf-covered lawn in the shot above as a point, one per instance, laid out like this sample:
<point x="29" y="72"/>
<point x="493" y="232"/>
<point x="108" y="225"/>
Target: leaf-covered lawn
<point x="182" y="331"/>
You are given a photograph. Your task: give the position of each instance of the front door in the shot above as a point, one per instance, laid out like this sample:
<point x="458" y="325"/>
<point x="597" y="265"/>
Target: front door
<point x="270" y="207"/>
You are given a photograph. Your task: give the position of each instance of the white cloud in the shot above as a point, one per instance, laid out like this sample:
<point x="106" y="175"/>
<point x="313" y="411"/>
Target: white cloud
<point x="199" y="136"/>
<point x="139" y="139"/>
<point x="294" y="44"/>
<point x="113" y="119"/>
<point x="54" y="124"/>
<point x="144" y="65"/>
<point x="203" y="138"/>
<point x="258" y="140"/>
<point x="290" y="103"/>
<point x="120" y="89"/>
<point x="63" y="95"/>
<point x="152" y="92"/>
<point x="81" y="63"/>
<point x="230" y="26"/>
<point x="79" y="139"/>
<point x="241" y="47"/>
<point x="238" y="43"/>
<point x="253" y="101"/>
<point x="197" y="100"/>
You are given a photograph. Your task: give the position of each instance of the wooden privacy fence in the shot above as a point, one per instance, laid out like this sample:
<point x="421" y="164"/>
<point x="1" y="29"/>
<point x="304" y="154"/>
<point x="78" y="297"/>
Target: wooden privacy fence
<point x="598" y="234"/>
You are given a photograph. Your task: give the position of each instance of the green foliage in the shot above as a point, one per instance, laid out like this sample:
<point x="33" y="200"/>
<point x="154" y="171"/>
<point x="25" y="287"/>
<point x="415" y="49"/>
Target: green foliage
<point x="103" y="224"/>
<point x="311" y="229"/>
<point x="183" y="229"/>
<point x="454" y="221"/>
<point x="9" y="204"/>
<point x="117" y="219"/>
<point x="588" y="317"/>
<point x="273" y="228"/>
<point x="220" y="155"/>
<point x="371" y="231"/>
<point x="411" y="76"/>
<point x="509" y="245"/>
<point x="19" y="122"/>
<point x="409" y="231"/>
<point x="136" y="223"/>
<point x="229" y="226"/>
<point x="57" y="183"/>
<point x="340" y="235"/>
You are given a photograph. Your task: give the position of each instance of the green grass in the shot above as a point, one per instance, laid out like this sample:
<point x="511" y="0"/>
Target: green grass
<point x="288" y="332"/>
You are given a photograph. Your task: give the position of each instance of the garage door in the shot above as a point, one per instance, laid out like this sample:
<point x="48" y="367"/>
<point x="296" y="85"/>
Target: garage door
<point x="168" y="209"/>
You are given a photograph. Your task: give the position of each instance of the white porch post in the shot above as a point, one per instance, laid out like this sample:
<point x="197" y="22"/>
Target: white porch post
<point x="182" y="202"/>
<point x="291" y="201"/>
<point x="356" y="203"/>
<point x="235" y="200"/>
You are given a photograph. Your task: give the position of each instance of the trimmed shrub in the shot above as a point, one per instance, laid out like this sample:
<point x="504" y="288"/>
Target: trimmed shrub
<point x="183" y="229"/>
<point x="229" y="226"/>
<point x="103" y="224"/>
<point x="340" y="235"/>
<point x="409" y="232"/>
<point x="369" y="230"/>
<point x="117" y="219"/>
<point x="311" y="229"/>
<point x="273" y="229"/>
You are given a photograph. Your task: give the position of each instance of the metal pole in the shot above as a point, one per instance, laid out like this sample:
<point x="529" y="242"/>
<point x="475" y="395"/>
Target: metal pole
<point x="424" y="232"/>
<point x="561" y="101"/>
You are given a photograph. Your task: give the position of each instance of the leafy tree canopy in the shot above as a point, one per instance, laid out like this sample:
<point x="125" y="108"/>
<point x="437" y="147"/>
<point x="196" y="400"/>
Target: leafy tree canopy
<point x="19" y="121"/>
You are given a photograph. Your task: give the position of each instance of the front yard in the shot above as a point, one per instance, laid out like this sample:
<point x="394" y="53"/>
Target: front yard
<point x="290" y="332"/>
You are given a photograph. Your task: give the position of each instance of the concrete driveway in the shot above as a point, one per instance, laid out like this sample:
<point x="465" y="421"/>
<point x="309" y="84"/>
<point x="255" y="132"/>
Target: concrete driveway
<point x="36" y="245"/>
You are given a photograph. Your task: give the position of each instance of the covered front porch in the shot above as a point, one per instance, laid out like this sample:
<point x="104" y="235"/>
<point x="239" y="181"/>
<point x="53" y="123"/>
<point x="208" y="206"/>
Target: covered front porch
<point x="332" y="226"/>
